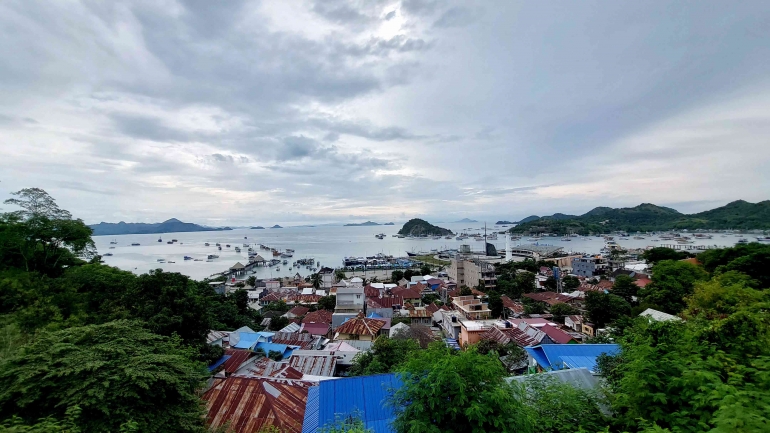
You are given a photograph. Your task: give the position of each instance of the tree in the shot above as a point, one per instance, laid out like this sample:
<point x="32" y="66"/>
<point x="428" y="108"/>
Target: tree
<point x="495" y="304"/>
<point x="559" y="407"/>
<point x="316" y="280"/>
<point x="562" y="310"/>
<point x="115" y="373"/>
<point x="465" y="291"/>
<point x="550" y="283"/>
<point x="351" y="423"/>
<point x="525" y="283"/>
<point x="532" y="306"/>
<point x="396" y="276"/>
<point x="625" y="287"/>
<point x="671" y="282"/>
<point x="408" y="274"/>
<point x="569" y="282"/>
<point x="278" y="323"/>
<point x="456" y="391"/>
<point x="241" y="299"/>
<point x="604" y="308"/>
<point x="386" y="354"/>
<point x="327" y="302"/>
<point x="251" y="281"/>
<point x="658" y="254"/>
<point x="339" y="275"/>
<point x="425" y="269"/>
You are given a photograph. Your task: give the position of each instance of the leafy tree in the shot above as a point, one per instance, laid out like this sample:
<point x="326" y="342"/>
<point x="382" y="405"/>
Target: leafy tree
<point x="465" y="291"/>
<point x="550" y="283"/>
<point x="562" y="310"/>
<point x="275" y="355"/>
<point x="351" y="423"/>
<point x="339" y="274"/>
<point x="658" y="254"/>
<point x="511" y="355"/>
<point x="430" y="298"/>
<point x="279" y="306"/>
<point x="278" y="323"/>
<point x="559" y="407"/>
<point x="316" y="280"/>
<point x="569" y="282"/>
<point x="671" y="282"/>
<point x="425" y="269"/>
<point x="408" y="274"/>
<point x="625" y="287"/>
<point x="604" y="308"/>
<point x="386" y="354"/>
<point x="525" y="283"/>
<point x="251" y="281"/>
<point x="495" y="304"/>
<point x="532" y="307"/>
<point x="328" y="302"/>
<point x="456" y="391"/>
<point x="396" y="276"/>
<point x="241" y="299"/>
<point x="115" y="373"/>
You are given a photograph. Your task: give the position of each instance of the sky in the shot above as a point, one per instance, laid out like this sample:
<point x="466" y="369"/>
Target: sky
<point x="299" y="112"/>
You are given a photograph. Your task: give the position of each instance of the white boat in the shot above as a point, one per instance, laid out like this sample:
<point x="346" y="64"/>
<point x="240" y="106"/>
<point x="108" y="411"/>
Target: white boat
<point x="763" y="238"/>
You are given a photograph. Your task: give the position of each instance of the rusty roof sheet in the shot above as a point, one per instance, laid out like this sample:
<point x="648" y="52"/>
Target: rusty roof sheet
<point x="557" y="335"/>
<point x="216" y="335"/>
<point x="385" y="302"/>
<point x="316" y="365"/>
<point x="371" y="292"/>
<point x="415" y="313"/>
<point x="550" y="298"/>
<point x="237" y="357"/>
<point x="305" y="341"/>
<point x="303" y="299"/>
<point x="298" y="311"/>
<point x="266" y="367"/>
<point x="320" y="316"/>
<point x="316" y="328"/>
<point x="270" y="297"/>
<point x="251" y="404"/>
<point x="506" y="335"/>
<point x="361" y="326"/>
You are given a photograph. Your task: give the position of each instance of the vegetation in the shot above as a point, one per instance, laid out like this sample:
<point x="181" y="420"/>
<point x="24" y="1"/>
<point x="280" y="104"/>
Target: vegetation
<point x="418" y="227"/>
<point x="672" y="281"/>
<point x="557" y="407"/>
<point x="327" y="302"/>
<point x="386" y="354"/>
<point x="657" y="254"/>
<point x="649" y="217"/>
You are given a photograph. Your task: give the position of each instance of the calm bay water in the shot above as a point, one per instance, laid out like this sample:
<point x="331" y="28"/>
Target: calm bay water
<point x="328" y="245"/>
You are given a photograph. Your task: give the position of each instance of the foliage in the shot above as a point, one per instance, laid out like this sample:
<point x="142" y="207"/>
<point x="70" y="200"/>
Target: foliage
<point x="408" y="274"/>
<point x="671" y="282"/>
<point x="251" y="281"/>
<point x="346" y="424"/>
<point x="751" y="259"/>
<point x="339" y="275"/>
<point x="396" y="276"/>
<point x="278" y="323"/>
<point x="115" y="372"/>
<point x="533" y="307"/>
<point x="386" y="354"/>
<point x="550" y="283"/>
<point x="569" y="282"/>
<point x="419" y="227"/>
<point x="558" y="407"/>
<point x="430" y="298"/>
<point x="316" y="280"/>
<point x="604" y="308"/>
<point x="425" y="270"/>
<point x="562" y="310"/>
<point x="495" y="303"/>
<point x="465" y="291"/>
<point x="657" y="254"/>
<point x="625" y="287"/>
<point x="446" y="390"/>
<point x="511" y="355"/>
<point x="327" y="302"/>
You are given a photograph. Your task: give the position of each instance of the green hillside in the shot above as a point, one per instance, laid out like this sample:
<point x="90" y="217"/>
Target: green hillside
<point x="418" y="227"/>
<point x="648" y="217"/>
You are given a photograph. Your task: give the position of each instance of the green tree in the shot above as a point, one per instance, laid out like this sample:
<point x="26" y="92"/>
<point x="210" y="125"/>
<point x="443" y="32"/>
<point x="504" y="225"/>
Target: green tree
<point x="251" y="281"/>
<point x="569" y="282"/>
<point x="408" y="274"/>
<point x="316" y="280"/>
<point x="658" y="254"/>
<point x="525" y="283"/>
<point x="339" y="274"/>
<point x="425" y="269"/>
<point x="562" y="310"/>
<point x="604" y="308"/>
<point x="386" y="354"/>
<point x="625" y="287"/>
<point x="351" y="423"/>
<point x="559" y="407"/>
<point x="115" y="373"/>
<point x="495" y="304"/>
<point x="465" y="291"/>
<point x="550" y="283"/>
<point x="446" y="390"/>
<point x="328" y="302"/>
<point x="396" y="276"/>
<point x="532" y="307"/>
<point x="671" y="282"/>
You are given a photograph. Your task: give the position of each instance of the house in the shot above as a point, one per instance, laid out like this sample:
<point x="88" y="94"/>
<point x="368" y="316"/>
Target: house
<point x="318" y="316"/>
<point x="557" y="335"/>
<point x="588" y="266"/>
<point x="471" y="308"/>
<point x="588" y="329"/>
<point x="450" y="323"/>
<point x="504" y="336"/>
<point x="547" y="357"/>
<point x="304" y="341"/>
<point x="218" y="338"/>
<point x="366" y="396"/>
<point x="248" y="340"/>
<point x="359" y="328"/>
<point x="296" y="312"/>
<point x="350" y="299"/>
<point x="511" y="307"/>
<point x="412" y="295"/>
<point x="272" y="284"/>
<point x="399" y="328"/>
<point x="270" y="297"/>
<point x="252" y="404"/>
<point x="327" y="278"/>
<point x="384" y="306"/>
<point x="316" y="328"/>
<point x="420" y="315"/>
<point x="574" y="322"/>
<point x="403" y="282"/>
<point x="471" y="331"/>
<point x="385" y="330"/>
<point x="658" y="316"/>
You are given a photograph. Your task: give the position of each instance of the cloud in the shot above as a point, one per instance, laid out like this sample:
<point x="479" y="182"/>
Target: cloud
<point x="456" y="17"/>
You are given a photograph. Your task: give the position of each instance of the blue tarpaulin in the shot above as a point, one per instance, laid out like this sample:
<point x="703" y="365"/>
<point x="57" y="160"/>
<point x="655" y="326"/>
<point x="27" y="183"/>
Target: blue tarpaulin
<point x="558" y="356"/>
<point x="219" y="362"/>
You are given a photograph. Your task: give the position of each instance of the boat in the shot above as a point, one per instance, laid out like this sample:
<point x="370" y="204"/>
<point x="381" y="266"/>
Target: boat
<point x="285" y="262"/>
<point x="206" y="244"/>
<point x="174" y="240"/>
<point x="220" y="248"/>
<point x="160" y="240"/>
<point x="114" y="242"/>
<point x="245" y="245"/>
<point x="227" y="246"/>
<point x="245" y="237"/>
<point x="380" y="236"/>
<point x="289" y="250"/>
<point x="763" y="238"/>
<point x="277" y="269"/>
<point x="237" y="250"/>
<point x="566" y="239"/>
<point x="170" y="261"/>
<point x="135" y="244"/>
<point x="218" y="244"/>
<point x="108" y="255"/>
<point x="198" y="260"/>
<point x="743" y="241"/>
<point x="212" y="256"/>
<point x="161" y="260"/>
<point x="188" y="258"/>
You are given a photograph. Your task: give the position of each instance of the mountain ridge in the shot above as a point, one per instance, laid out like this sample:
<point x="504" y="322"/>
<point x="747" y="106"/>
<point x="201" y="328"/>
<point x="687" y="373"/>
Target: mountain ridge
<point x="171" y="225"/>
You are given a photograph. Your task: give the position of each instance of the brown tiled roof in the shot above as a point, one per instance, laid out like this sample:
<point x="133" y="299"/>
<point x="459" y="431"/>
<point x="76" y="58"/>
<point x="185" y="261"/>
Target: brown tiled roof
<point x="251" y="404"/>
<point x="303" y="299"/>
<point x="414" y="313"/>
<point x="319" y="316"/>
<point x="432" y="308"/>
<point x="237" y="357"/>
<point x="385" y="302"/>
<point x="304" y="340"/>
<point x="299" y="311"/>
<point x="270" y="297"/>
<point x="557" y="335"/>
<point x="412" y="293"/>
<point x="361" y="326"/>
<point x="550" y="298"/>
<point x="512" y="305"/>
<point x="506" y="335"/>
<point x="371" y="292"/>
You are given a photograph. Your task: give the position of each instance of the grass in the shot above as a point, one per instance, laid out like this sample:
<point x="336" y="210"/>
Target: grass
<point x="431" y="260"/>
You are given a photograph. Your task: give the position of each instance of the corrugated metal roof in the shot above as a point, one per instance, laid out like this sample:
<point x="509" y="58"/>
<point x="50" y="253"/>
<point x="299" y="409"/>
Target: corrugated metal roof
<point x="320" y="365"/>
<point x="557" y="335"/>
<point x="577" y="377"/>
<point x="304" y="341"/>
<point x="237" y="357"/>
<point x="219" y="362"/>
<point x="216" y="335"/>
<point x="361" y="326"/>
<point x="559" y="356"/>
<point x="324" y="316"/>
<point x="316" y="328"/>
<point x="250" y="404"/>
<point x="249" y="339"/>
<point x="299" y="310"/>
<point x="367" y="395"/>
<point x="291" y="327"/>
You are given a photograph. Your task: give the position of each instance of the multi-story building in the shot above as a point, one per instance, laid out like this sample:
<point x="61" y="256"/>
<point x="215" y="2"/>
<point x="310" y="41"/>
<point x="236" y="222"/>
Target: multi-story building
<point x="471" y="308"/>
<point x="588" y="266"/>
<point x="468" y="271"/>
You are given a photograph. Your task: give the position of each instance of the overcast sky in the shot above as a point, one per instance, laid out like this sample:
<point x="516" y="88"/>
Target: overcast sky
<point x="247" y="112"/>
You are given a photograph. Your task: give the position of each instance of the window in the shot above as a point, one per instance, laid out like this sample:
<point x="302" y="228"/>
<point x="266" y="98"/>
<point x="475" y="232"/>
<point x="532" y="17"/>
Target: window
<point x="358" y="296"/>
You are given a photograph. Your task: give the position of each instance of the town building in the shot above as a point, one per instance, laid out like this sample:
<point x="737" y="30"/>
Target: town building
<point x="471" y="308"/>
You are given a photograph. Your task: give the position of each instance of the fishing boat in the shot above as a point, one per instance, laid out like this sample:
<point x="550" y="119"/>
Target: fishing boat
<point x="174" y="240"/>
<point x="188" y="258"/>
<point x="220" y="248"/>
<point x="108" y="255"/>
<point x="227" y="246"/>
<point x="743" y="241"/>
<point x="135" y="244"/>
<point x="114" y="242"/>
<point x="161" y="260"/>
<point x="763" y="238"/>
<point x="212" y="256"/>
<point x="245" y="245"/>
<point x="380" y="236"/>
<point x="237" y="250"/>
<point x="170" y="261"/>
<point x="206" y="244"/>
<point x="160" y="240"/>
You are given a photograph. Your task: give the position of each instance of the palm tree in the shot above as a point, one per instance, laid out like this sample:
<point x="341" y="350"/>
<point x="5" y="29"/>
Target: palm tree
<point x="316" y="280"/>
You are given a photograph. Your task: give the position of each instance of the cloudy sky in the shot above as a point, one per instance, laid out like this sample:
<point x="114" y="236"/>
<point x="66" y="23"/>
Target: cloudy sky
<point x="292" y="111"/>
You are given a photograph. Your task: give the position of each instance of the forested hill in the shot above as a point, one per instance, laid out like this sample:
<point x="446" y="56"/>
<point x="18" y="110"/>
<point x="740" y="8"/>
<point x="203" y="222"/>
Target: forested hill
<point x="169" y="226"/>
<point x="645" y="217"/>
<point x="419" y="227"/>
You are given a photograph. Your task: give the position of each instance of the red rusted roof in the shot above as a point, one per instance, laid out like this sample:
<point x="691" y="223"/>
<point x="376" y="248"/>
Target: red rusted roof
<point x="432" y="308"/>
<point x="298" y="311"/>
<point x="315" y="365"/>
<point x="557" y="335"/>
<point x="266" y="367"/>
<point x="320" y="316"/>
<point x="371" y="292"/>
<point x="303" y="299"/>
<point x="251" y="404"/>
<point x="642" y="282"/>
<point x="361" y="326"/>
<point x="506" y="335"/>
<point x="270" y="297"/>
<point x="550" y="298"/>
<point x="304" y="340"/>
<point x="237" y="357"/>
<point x="385" y="302"/>
<point x="315" y="328"/>
<point x="414" y="313"/>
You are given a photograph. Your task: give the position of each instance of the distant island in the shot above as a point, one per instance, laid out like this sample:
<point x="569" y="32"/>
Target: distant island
<point x="466" y="220"/>
<point x="649" y="217"/>
<point x="368" y="223"/>
<point x="169" y="226"/>
<point x="503" y="222"/>
<point x="418" y="227"/>
<point x="257" y="228"/>
<point x="389" y="224"/>
<point x="276" y="227"/>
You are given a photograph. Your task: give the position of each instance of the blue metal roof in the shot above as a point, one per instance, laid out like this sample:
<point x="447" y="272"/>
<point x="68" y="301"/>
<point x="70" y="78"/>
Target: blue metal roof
<point x="219" y="362"/>
<point x="365" y="395"/>
<point x="247" y="340"/>
<point x="558" y="356"/>
<point x="275" y="347"/>
<point x="374" y="316"/>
